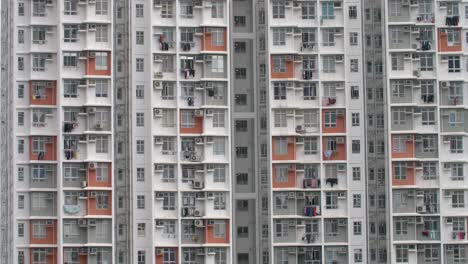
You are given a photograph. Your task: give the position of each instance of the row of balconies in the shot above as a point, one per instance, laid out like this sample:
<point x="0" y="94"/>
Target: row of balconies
<point x="309" y="232"/>
<point x="429" y="174"/>
<point x="195" y="204"/>
<point x="79" y="203"/>
<point x="301" y="254"/>
<point x="311" y="204"/>
<point x="198" y="232"/>
<point x="415" y="38"/>
<point x="423" y="119"/>
<point x="198" y="178"/>
<point x="426" y="66"/>
<point x="294" y="149"/>
<point x="443" y="13"/>
<point x="192" y="13"/>
<point x="292" y="13"/>
<point x="420" y="146"/>
<point x="198" y="254"/>
<point x="207" y="122"/>
<point x="304" y="40"/>
<point x="308" y="176"/>
<point x="41" y="66"/>
<point x="91" y="175"/>
<point x="76" y="147"/>
<point x="192" y="39"/>
<point x="420" y="92"/>
<point x="193" y="67"/>
<point x="81" y="255"/>
<point x="190" y="95"/>
<point x="430" y="253"/>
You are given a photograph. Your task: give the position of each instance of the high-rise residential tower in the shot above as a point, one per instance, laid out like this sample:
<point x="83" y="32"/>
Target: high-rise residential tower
<point x="233" y="131"/>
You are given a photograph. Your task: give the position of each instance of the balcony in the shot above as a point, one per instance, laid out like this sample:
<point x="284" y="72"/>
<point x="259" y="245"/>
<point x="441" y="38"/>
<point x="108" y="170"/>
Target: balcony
<point x="453" y="147"/>
<point x="416" y="228"/>
<point x="409" y="38"/>
<point x="452" y="174"/>
<point x="336" y="230"/>
<point x="87" y="147"/>
<point x="307" y="176"/>
<point x="409" y="11"/>
<point x="300" y="254"/>
<point x="334" y="148"/>
<point x="454" y="229"/>
<point x="165" y="232"/>
<point x="335" y="176"/>
<point x="413" y="120"/>
<point x="41" y="66"/>
<point x="454" y="201"/>
<point x="165" y="204"/>
<point x="43" y="204"/>
<point x="194" y="232"/>
<point x="214" y="39"/>
<point x="163" y="253"/>
<point x="292" y="203"/>
<point x="452" y="94"/>
<point x="334" y="120"/>
<point x="195" y="253"/>
<point x="75" y="203"/>
<point x="415" y="202"/>
<point x="332" y="40"/>
<point x="42" y="92"/>
<point x="42" y="12"/>
<point x="284" y="148"/>
<point x="451" y="255"/>
<point x="336" y="254"/>
<point x="449" y="40"/>
<point x="166" y="13"/>
<point x="98" y="63"/>
<point x="453" y="120"/>
<point x="43" y="232"/>
<point x="296" y="40"/>
<point x="44" y="40"/>
<point x="99" y="203"/>
<point x="333" y="67"/>
<point x="303" y="232"/>
<point x="163" y="39"/>
<point x="335" y="203"/>
<point x="38" y="121"/>
<point x="42" y="148"/>
<point x="297" y="94"/>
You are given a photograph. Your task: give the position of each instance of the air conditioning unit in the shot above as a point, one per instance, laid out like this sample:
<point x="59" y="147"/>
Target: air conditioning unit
<point x="291" y="195"/>
<point x="341" y="195"/>
<point x="157" y="112"/>
<point x="50" y="251"/>
<point x="339" y="58"/>
<point x="340" y="140"/>
<point x="158" y="140"/>
<point x="416" y="73"/>
<point x="209" y="112"/>
<point x="198" y="113"/>
<point x="160" y="251"/>
<point x="197" y="213"/>
<point x="98" y="126"/>
<point x="447" y="193"/>
<point x="210" y="167"/>
<point x="340" y="112"/>
<point x="84" y="184"/>
<point x="83" y="251"/>
<point x="92" y="165"/>
<point x="82" y="222"/>
<point x="92" y="194"/>
<point x="157" y="85"/>
<point x="210" y="222"/>
<point x="299" y="139"/>
<point x="91" y="110"/>
<point x="300" y="129"/>
<point x="341" y="167"/>
<point x="421" y="209"/>
<point x="209" y="140"/>
<point x="82" y="195"/>
<point x="406" y="28"/>
<point x="198" y="185"/>
<point x="199" y="140"/>
<point x="158" y="75"/>
<point x="93" y="251"/>
<point x="447" y="166"/>
<point x="199" y="223"/>
<point x="299" y="167"/>
<point x="444" y="85"/>
<point x="449" y="220"/>
<point x="210" y="195"/>
<point x="342" y="250"/>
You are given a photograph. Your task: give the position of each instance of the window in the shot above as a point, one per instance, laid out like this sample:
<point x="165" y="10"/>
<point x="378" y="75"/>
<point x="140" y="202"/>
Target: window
<point x="356" y="201"/>
<point x="140" y="119"/>
<point x="140" y="64"/>
<point x="330" y="119"/>
<point x="458" y="199"/>
<point x="141" y="257"/>
<point x="140" y="91"/>
<point x="240" y="46"/>
<point x="397" y="62"/>
<point x="329" y="64"/>
<point x="218" y="118"/>
<point x="219" y="229"/>
<point x="186" y="9"/>
<point x="428" y="116"/>
<point x="352" y="11"/>
<point x="101" y="7"/>
<point x="456" y="144"/>
<point x="278" y="9"/>
<point x="355" y="119"/>
<point x="279" y="36"/>
<point x="453" y="64"/>
<point x="140" y="146"/>
<point x="101" y="34"/>
<point x="241" y="125"/>
<point x="453" y="37"/>
<point x="400" y="170"/>
<point x="39" y="61"/>
<point x="310" y="145"/>
<point x="139" y="10"/>
<point x="328" y="37"/>
<point x="399" y="143"/>
<point x="279" y="91"/>
<point x="353" y="38"/>
<point x="308" y="10"/>
<point x="427" y="62"/>
<point x="39" y="8"/>
<point x="20" y="118"/>
<point x="187" y="119"/>
<point x="356" y="146"/>
<point x="219" y="146"/>
<point x="309" y="91"/>
<point x="166" y="8"/>
<point x="70" y="59"/>
<point x="456" y="170"/>
<point x="102" y="200"/>
<point x="140" y="201"/>
<point x="401" y="253"/>
<point x="167" y="92"/>
<point x="241" y="152"/>
<point x="356" y="173"/>
<point x="70" y="33"/>
<point x="20" y="9"/>
<point x="280" y="118"/>
<point x="20" y="230"/>
<point x="354" y="65"/>
<point x="219" y="201"/>
<point x="21" y="201"/>
<point x="217" y="64"/>
<point x="331" y="200"/>
<point x="239" y="21"/>
<point x="70" y="88"/>
<point x="20" y="91"/>
<point x="279" y="64"/>
<point x="101" y="61"/>
<point x="217" y="8"/>
<point x="429" y="143"/>
<point x="328" y="10"/>
<point x="241" y="73"/>
<point x="102" y="144"/>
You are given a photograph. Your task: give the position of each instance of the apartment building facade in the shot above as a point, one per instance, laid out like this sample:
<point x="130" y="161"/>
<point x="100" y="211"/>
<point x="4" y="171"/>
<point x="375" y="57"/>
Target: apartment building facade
<point x="426" y="61"/>
<point x="62" y="129"/>
<point x="236" y="131"/>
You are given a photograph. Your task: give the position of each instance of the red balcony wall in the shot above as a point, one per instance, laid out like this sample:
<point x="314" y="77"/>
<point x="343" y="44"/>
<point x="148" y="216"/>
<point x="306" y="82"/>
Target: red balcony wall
<point x="160" y="258"/>
<point x="291" y="155"/>
<point x="409" y="153"/>
<point x="50" y="152"/>
<point x="289" y="73"/>
<point x="82" y="258"/>
<point x="50" y="92"/>
<point x="339" y="154"/>
<point x="51" y="234"/>
<point x="197" y="129"/>
<point x="443" y="44"/>
<point x="50" y="258"/>
<point x="410" y="179"/>
<point x="91" y="66"/>
<point x="92" y="182"/>
<point x="291" y="183"/>
<point x="92" y="210"/>
<point x="209" y="234"/>
<point x="340" y="124"/>
<point x="208" y="46"/>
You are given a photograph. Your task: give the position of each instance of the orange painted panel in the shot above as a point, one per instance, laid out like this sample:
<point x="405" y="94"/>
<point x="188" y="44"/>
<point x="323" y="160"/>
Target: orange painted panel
<point x="197" y="129"/>
<point x="340" y="124"/>
<point x="50" y="94"/>
<point x="291" y="183"/>
<point x="92" y="182"/>
<point x="160" y="257"/>
<point x="210" y="238"/>
<point x="50" y="150"/>
<point x="410" y="179"/>
<point x="92" y="210"/>
<point x="289" y="73"/>
<point x="291" y="155"/>
<point x="91" y="66"/>
<point x="339" y="154"/>
<point x="409" y="153"/>
<point x="51" y="258"/>
<point x="207" y="44"/>
<point x="443" y="42"/>
<point x="51" y="233"/>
